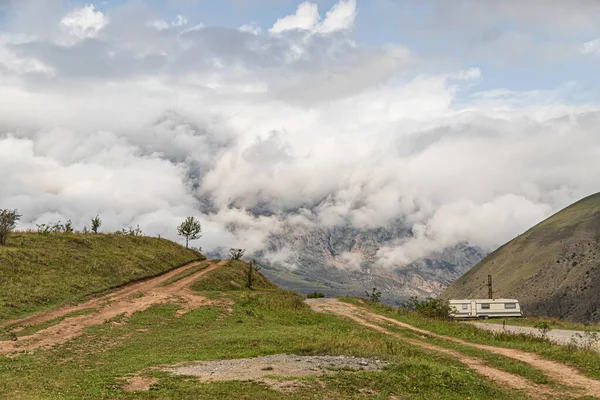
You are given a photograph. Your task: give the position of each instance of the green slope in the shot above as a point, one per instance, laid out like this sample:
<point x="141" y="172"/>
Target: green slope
<point x="40" y="272"/>
<point x="553" y="268"/>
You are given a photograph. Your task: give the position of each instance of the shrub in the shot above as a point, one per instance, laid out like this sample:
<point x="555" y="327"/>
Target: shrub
<point x="8" y="222"/>
<point x="315" y="295"/>
<point x="589" y="340"/>
<point x="236" y="254"/>
<point x="429" y="307"/>
<point x="374" y="296"/>
<point x="68" y="227"/>
<point x="543" y="327"/>
<point x="96" y="223"/>
<point x="43" y="229"/>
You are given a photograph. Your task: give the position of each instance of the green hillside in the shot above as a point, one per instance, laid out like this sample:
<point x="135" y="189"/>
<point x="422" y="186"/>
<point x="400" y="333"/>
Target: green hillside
<point x="553" y="269"/>
<point x="43" y="271"/>
<point x="139" y="341"/>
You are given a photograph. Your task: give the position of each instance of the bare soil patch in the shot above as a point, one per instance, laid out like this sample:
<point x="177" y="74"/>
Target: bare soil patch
<point x="120" y="304"/>
<point x="138" y="383"/>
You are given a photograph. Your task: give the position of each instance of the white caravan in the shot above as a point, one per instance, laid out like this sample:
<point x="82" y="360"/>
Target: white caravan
<point x="485" y="308"/>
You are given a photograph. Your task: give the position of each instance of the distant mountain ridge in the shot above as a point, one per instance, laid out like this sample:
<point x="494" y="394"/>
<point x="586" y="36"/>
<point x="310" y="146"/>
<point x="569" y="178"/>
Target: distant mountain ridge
<point x="553" y="269"/>
<point x="342" y="261"/>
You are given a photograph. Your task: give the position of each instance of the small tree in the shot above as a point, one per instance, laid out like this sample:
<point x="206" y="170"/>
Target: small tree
<point x="68" y="227"/>
<point x="543" y="327"/>
<point x="236" y="254"/>
<point x="96" y="222"/>
<point x="374" y="296"/>
<point x="190" y="229"/>
<point x="8" y="222"/>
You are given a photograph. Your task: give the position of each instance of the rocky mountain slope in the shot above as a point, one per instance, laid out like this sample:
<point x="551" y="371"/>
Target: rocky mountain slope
<point x="342" y="261"/>
<point x="553" y="268"/>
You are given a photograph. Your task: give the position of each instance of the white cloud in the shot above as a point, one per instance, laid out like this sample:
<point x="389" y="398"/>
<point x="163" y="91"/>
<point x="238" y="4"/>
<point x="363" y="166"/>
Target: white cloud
<point x="591" y="47"/>
<point x="258" y="134"/>
<point x="161" y="24"/>
<point x="305" y="18"/>
<point x="251" y="28"/>
<point x="180" y="20"/>
<point x="341" y="17"/>
<point x="84" y="22"/>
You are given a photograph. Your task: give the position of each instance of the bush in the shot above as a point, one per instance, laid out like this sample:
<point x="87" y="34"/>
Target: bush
<point x="543" y="327"/>
<point x="429" y="307"/>
<point x="96" y="223"/>
<point x="236" y="254"/>
<point x="8" y="222"/>
<point x="315" y="295"/>
<point x="43" y="229"/>
<point x="374" y="296"/>
<point x="68" y="227"/>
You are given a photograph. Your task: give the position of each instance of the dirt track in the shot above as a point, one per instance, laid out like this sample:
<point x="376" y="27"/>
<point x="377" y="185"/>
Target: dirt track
<point x="579" y="385"/>
<point x="132" y="298"/>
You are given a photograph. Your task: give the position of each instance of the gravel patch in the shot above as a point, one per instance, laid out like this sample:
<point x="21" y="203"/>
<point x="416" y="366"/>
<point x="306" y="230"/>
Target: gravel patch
<point x="277" y="365"/>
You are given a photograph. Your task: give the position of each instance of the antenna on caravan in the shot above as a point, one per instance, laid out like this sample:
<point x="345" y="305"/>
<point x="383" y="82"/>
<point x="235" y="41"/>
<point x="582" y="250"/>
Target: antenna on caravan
<point x="490" y="292"/>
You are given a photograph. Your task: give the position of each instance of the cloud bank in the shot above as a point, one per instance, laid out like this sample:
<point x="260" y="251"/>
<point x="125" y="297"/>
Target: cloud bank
<point x="145" y="121"/>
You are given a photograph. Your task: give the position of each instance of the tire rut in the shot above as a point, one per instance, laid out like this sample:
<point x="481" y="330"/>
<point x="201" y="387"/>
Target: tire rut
<point x="122" y="302"/>
<point x="580" y="385"/>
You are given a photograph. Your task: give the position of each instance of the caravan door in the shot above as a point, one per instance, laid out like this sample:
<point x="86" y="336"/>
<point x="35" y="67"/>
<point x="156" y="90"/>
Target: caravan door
<point x="473" y="309"/>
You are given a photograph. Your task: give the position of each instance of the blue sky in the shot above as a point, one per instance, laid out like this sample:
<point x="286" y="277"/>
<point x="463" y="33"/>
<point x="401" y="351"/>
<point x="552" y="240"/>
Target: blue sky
<point x="416" y="24"/>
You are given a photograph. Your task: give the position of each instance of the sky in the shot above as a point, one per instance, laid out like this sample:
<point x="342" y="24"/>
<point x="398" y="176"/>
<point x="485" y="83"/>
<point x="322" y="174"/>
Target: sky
<point x="467" y="120"/>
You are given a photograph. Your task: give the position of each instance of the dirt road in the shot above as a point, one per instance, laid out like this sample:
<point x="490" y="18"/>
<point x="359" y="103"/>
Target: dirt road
<point x="579" y="385"/>
<point x="124" y="302"/>
<point x="560" y="336"/>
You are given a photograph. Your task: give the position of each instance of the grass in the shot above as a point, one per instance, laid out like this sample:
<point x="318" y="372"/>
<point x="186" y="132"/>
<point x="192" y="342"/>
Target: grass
<point x="497" y="361"/>
<point x="184" y="274"/>
<point x="554" y="323"/>
<point x="231" y="276"/>
<point x="94" y="365"/>
<point x="586" y="361"/>
<point x="264" y="321"/>
<point x="40" y="272"/>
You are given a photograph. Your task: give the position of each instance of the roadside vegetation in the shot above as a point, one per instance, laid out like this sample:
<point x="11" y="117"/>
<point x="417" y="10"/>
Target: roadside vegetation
<point x="553" y="323"/>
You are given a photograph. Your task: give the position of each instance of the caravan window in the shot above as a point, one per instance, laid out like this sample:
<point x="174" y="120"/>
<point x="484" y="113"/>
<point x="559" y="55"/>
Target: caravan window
<point x="465" y="306"/>
<point x="485" y="306"/>
<point x="510" y="306"/>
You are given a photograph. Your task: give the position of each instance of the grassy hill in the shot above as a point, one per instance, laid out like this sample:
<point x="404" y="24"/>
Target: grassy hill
<point x="553" y="269"/>
<point x="40" y="272"/>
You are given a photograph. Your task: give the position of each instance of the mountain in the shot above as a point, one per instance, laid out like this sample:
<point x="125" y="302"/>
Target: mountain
<point x="343" y="261"/>
<point x="553" y="269"/>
